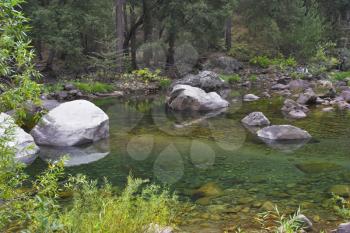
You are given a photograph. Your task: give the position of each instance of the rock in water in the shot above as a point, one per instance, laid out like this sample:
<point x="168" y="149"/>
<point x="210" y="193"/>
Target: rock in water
<point x="309" y="97"/>
<point x="206" y="80"/>
<point x="188" y="98"/>
<point x="24" y="146"/>
<point x="72" y="123"/>
<point x="250" y="98"/>
<point x="283" y="132"/>
<point x="256" y="119"/>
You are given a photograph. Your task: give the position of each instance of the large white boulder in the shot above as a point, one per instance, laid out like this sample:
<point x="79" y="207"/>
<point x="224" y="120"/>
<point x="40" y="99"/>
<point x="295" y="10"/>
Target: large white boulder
<point x="188" y="98"/>
<point x="23" y="144"/>
<point x="72" y="123"/>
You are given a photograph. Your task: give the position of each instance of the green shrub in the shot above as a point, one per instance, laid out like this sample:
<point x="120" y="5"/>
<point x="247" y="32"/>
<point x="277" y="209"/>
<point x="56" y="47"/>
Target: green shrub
<point x="165" y="83"/>
<point x="261" y="61"/>
<point x="253" y="78"/>
<point x="93" y="87"/>
<point x="235" y="78"/>
<point x="341" y="206"/>
<point x="242" y="52"/>
<point x="340" y="75"/>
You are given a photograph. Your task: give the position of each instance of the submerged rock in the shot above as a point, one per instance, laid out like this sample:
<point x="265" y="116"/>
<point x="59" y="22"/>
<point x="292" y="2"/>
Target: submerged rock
<point x="206" y="80"/>
<point x="283" y="132"/>
<point x="24" y="146"/>
<point x="76" y="155"/>
<point x="72" y="123"/>
<point x="314" y="168"/>
<point x="210" y="189"/>
<point x="256" y="119"/>
<point x="286" y="146"/>
<point x="340" y="190"/>
<point x="250" y="98"/>
<point x="188" y="98"/>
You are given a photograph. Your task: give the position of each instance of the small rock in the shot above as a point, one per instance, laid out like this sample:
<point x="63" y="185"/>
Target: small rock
<point x="297" y="114"/>
<point x="309" y="97"/>
<point x="250" y="98"/>
<point x="305" y="223"/>
<point x="279" y="87"/>
<point x="256" y="119"/>
<point x="69" y="87"/>
<point x="268" y="206"/>
<point x="283" y="132"/>
<point x="330" y="109"/>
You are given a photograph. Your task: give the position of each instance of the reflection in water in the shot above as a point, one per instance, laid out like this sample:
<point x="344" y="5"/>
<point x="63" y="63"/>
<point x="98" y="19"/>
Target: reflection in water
<point x="286" y="146"/>
<point x="76" y="155"/>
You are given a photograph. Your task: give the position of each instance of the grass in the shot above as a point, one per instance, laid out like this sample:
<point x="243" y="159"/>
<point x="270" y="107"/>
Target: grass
<point x="235" y="78"/>
<point x="93" y="87"/>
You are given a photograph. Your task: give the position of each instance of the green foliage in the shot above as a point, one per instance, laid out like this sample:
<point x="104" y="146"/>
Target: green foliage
<point x="242" y="52"/>
<point x="100" y="210"/>
<point x="340" y="75"/>
<point x="341" y="207"/>
<point x="33" y="205"/>
<point x="275" y="221"/>
<point x="253" y="78"/>
<point x="16" y="61"/>
<point x="92" y="87"/>
<point x="279" y="62"/>
<point x="232" y="79"/>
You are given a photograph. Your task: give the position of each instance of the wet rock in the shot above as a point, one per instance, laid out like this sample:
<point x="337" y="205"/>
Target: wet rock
<point x="286" y="146"/>
<point x="314" y="168"/>
<point x="250" y="98"/>
<point x="208" y="190"/>
<point x="188" y="98"/>
<point x="283" y="132"/>
<point x="72" y="123"/>
<point x="268" y="206"/>
<point x="345" y="95"/>
<point x="343" y="228"/>
<point x="297" y="114"/>
<point x="205" y="80"/>
<point x="223" y="64"/>
<point x="279" y="87"/>
<point x="256" y="119"/>
<point x="24" y="146"/>
<point x="340" y="190"/>
<point x="293" y="109"/>
<point x="308" y="97"/>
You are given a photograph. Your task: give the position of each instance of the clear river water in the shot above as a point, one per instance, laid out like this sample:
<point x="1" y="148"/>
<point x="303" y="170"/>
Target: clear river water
<point x="240" y="172"/>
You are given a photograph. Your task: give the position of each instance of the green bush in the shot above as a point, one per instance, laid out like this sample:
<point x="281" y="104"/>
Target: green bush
<point x="93" y="87"/>
<point x="235" y="78"/>
<point x="279" y="62"/>
<point x="340" y="75"/>
<point x="261" y="61"/>
<point x="242" y="52"/>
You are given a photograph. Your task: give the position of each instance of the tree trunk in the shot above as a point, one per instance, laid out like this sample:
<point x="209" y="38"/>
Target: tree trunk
<point x="170" y="61"/>
<point x="147" y="24"/>
<point x="120" y="32"/>
<point x="228" y="33"/>
<point x="50" y="59"/>
<point x="133" y="38"/>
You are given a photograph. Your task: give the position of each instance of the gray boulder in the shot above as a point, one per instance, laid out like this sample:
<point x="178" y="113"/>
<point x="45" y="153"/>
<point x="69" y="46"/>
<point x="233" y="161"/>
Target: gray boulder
<point x="345" y="95"/>
<point x="283" y="132"/>
<point x="206" y="80"/>
<point x="188" y="98"/>
<point x="256" y="119"/>
<point x="298" y="84"/>
<point x="308" y="97"/>
<point x="279" y="87"/>
<point x="24" y="146"/>
<point x="223" y="64"/>
<point x="72" y="123"/>
<point x="343" y="228"/>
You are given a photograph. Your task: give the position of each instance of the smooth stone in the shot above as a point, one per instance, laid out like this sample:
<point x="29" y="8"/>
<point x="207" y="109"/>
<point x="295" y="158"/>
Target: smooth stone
<point x="305" y="223"/>
<point x="245" y="200"/>
<point x="72" y="123"/>
<point x="25" y="149"/>
<point x="330" y="109"/>
<point x="297" y="114"/>
<point x="250" y="98"/>
<point x="208" y="190"/>
<point x="344" y="228"/>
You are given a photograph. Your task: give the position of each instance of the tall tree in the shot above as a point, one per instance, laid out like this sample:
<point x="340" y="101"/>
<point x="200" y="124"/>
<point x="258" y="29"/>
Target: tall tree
<point x="120" y="33"/>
